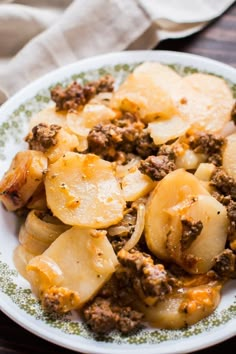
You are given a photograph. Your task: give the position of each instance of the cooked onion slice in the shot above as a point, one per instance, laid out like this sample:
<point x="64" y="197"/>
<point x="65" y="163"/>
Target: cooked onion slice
<point x="38" y="233"/>
<point x="139" y="227"/>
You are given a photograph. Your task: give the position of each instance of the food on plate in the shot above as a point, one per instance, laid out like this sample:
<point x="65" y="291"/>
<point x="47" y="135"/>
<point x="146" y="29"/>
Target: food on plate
<point x="129" y="199"/>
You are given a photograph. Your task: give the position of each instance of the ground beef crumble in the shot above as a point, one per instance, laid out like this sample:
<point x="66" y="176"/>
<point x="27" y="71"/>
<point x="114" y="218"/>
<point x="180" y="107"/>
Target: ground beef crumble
<point x="75" y="95"/>
<point x="137" y="277"/>
<point x="42" y="137"/>
<point x="157" y="167"/>
<point x="146" y="278"/>
<point x="225" y="264"/>
<point x="231" y="212"/>
<point x="145" y="145"/>
<point x="104" y="315"/>
<point x="223" y="183"/>
<point x="123" y="135"/>
<point x="209" y="144"/>
<point x="167" y="150"/>
<point x="190" y="230"/>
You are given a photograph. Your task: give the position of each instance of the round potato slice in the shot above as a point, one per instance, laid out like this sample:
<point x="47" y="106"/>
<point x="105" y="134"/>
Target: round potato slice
<point x="208" y="101"/>
<point x="163" y="130"/>
<point x="198" y="257"/>
<point x="144" y="93"/>
<point x="162" y="75"/>
<point x="229" y="156"/>
<point x="82" y="190"/>
<point x="173" y="189"/>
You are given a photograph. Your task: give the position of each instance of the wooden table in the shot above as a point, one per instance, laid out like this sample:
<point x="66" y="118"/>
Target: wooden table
<point x="217" y="41"/>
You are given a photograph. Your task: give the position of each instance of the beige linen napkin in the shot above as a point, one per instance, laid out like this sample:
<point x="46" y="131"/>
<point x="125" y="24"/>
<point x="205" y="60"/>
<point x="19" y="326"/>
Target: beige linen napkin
<point x="37" y="36"/>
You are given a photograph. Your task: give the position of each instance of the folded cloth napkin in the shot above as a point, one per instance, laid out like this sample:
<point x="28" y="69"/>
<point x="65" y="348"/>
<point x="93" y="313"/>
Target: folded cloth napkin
<point x="39" y="35"/>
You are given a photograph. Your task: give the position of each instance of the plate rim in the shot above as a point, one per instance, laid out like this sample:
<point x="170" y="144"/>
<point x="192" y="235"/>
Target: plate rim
<point x="185" y="59"/>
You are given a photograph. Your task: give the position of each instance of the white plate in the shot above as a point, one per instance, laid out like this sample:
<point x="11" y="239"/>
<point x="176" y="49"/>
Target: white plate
<point x="16" y="299"/>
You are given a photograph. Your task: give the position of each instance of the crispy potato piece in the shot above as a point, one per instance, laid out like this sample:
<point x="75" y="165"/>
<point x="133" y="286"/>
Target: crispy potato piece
<point x="80" y="260"/>
<point x="229" y="156"/>
<point x="22" y="179"/>
<point x="173" y="189"/>
<point x="82" y="190"/>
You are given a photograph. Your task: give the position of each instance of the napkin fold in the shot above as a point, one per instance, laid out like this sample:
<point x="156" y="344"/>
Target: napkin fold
<point x="39" y="35"/>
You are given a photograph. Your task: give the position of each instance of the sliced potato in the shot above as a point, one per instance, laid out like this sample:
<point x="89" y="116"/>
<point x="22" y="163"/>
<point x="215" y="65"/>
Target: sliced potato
<point x="204" y="171"/>
<point x="80" y="260"/>
<point x="65" y="142"/>
<point x="162" y="75"/>
<point x="163" y="130"/>
<point x="142" y="92"/>
<point x="199" y="256"/>
<point x="204" y="100"/>
<point x="135" y="185"/>
<point x="189" y="160"/>
<point x="208" y="101"/>
<point x="183" y="308"/>
<point x="22" y="179"/>
<point x="229" y="156"/>
<point x="82" y="122"/>
<point x="82" y="190"/>
<point x="49" y="115"/>
<point x="173" y="189"/>
<point x="38" y="199"/>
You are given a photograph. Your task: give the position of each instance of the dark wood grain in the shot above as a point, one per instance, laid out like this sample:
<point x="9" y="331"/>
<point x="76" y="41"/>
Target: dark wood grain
<point x="217" y="41"/>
